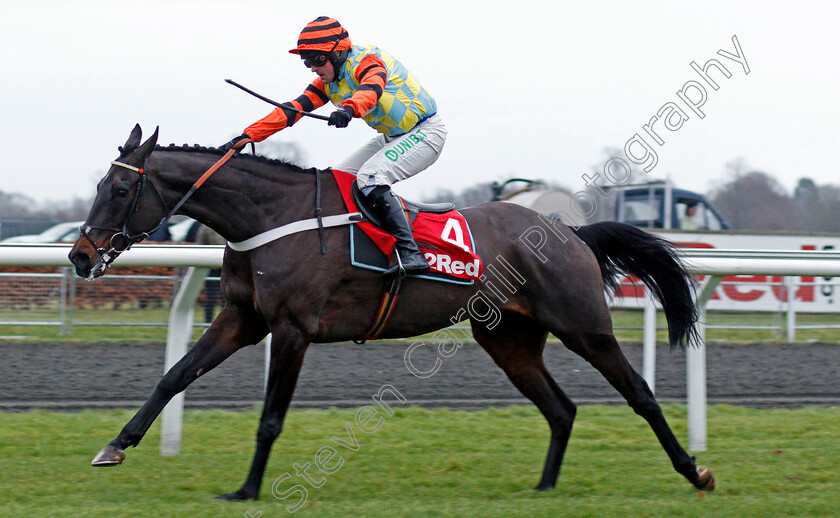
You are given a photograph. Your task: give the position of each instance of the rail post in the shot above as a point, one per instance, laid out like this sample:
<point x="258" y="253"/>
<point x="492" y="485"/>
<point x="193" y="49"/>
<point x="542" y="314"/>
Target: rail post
<point x="790" y="291"/>
<point x="695" y="365"/>
<point x="63" y="296"/>
<point x="649" y="342"/>
<point x="177" y="338"/>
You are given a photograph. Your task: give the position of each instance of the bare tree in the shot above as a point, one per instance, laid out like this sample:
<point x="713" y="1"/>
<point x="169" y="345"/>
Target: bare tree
<point x="819" y="210"/>
<point x="14" y="205"/>
<point x="288" y="151"/>
<point x="75" y="209"/>
<point x="755" y="201"/>
<point x="475" y="195"/>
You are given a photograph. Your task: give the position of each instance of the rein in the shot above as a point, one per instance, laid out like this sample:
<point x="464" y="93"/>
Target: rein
<point x="122" y="240"/>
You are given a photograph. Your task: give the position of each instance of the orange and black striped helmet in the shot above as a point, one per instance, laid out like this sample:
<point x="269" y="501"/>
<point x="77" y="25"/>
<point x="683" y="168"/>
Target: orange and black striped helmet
<point x="323" y="35"/>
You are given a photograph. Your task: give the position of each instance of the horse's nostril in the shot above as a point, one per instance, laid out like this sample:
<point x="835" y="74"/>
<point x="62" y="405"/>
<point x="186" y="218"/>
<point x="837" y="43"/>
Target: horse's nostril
<point x="82" y="262"/>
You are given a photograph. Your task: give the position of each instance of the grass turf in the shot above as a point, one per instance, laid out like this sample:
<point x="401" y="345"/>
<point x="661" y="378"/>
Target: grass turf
<point x="426" y="463"/>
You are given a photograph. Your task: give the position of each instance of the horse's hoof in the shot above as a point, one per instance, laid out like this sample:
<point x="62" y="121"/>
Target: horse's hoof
<point x="108" y="456"/>
<point x="705" y="480"/>
<point x="237" y="495"/>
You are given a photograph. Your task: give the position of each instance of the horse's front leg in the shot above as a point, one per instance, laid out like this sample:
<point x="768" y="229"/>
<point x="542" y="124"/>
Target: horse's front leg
<point x="229" y="332"/>
<point x="288" y="347"/>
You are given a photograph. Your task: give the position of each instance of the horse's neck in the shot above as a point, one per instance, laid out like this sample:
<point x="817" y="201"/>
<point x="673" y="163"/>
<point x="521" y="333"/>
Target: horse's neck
<point x="243" y="198"/>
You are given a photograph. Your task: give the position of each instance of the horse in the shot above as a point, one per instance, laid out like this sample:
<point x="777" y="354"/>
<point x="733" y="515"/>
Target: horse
<point x="303" y="289"/>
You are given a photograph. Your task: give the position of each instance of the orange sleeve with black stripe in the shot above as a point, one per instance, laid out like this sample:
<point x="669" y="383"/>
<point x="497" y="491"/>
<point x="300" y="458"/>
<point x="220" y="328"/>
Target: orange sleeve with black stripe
<point x="313" y="97"/>
<point x="372" y="76"/>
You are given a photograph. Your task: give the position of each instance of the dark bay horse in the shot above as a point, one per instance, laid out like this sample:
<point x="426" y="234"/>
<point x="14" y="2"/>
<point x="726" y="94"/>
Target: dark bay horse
<point x="289" y="288"/>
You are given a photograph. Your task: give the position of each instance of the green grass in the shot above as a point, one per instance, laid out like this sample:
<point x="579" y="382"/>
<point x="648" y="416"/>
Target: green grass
<point x="427" y="463"/>
<point x="621" y="319"/>
<point x="97" y="333"/>
<point x="633" y="318"/>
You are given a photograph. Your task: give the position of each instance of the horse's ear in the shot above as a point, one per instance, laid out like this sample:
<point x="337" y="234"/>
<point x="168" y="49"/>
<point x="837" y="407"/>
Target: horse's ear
<point x="146" y="149"/>
<point x="134" y="138"/>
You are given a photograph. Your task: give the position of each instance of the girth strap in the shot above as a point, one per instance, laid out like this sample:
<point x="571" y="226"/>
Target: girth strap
<point x="319" y="212"/>
<point x="387" y="305"/>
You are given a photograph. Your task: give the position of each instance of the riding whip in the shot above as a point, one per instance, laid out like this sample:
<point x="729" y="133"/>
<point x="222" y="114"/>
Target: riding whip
<point x="275" y="103"/>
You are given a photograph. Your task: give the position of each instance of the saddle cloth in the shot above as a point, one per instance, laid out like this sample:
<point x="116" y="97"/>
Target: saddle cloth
<point x="444" y="238"/>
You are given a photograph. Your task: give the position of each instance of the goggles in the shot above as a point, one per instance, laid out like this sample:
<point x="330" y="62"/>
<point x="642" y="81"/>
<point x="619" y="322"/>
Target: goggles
<point x="315" y="59"/>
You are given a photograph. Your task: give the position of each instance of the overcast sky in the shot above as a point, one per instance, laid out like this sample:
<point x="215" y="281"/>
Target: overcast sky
<point x="535" y="89"/>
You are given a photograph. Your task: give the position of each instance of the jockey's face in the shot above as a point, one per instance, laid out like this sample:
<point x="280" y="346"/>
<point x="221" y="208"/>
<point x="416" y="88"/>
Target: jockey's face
<point x="326" y="71"/>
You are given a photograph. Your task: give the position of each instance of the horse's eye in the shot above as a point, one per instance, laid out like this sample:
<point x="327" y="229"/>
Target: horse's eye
<point x="120" y="192"/>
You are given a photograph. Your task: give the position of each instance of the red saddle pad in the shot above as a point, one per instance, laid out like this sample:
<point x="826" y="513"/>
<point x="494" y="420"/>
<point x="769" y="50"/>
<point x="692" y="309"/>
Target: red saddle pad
<point x="444" y="238"/>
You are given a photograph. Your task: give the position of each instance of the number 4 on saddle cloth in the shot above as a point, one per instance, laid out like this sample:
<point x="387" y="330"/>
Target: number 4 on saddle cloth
<point x="443" y="237"/>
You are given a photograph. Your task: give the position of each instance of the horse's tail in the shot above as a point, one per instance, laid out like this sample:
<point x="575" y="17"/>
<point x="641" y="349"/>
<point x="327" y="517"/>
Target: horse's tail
<point x="619" y="247"/>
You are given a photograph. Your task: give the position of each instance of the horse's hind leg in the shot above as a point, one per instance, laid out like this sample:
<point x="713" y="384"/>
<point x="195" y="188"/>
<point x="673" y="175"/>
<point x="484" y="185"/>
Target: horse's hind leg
<point x="516" y="345"/>
<point x="228" y="333"/>
<point x="604" y="353"/>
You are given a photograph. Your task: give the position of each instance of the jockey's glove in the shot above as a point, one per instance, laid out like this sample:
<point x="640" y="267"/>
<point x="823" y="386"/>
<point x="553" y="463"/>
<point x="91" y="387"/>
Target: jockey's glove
<point x="341" y="117"/>
<point x="234" y="141"/>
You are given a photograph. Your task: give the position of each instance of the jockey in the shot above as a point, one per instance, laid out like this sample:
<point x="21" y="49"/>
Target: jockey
<point x="367" y="83"/>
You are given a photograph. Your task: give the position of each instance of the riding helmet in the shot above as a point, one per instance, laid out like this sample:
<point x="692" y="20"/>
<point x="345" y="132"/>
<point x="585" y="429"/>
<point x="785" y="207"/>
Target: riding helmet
<point x="325" y="34"/>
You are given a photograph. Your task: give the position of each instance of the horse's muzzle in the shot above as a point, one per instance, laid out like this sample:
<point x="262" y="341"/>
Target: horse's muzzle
<point x="82" y="259"/>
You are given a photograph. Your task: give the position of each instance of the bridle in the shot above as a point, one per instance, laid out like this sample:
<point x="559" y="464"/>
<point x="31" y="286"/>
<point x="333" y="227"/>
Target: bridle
<point x="122" y="240"/>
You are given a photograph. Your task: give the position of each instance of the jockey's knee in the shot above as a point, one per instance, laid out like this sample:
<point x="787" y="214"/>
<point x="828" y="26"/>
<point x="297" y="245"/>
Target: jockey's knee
<point x="368" y="182"/>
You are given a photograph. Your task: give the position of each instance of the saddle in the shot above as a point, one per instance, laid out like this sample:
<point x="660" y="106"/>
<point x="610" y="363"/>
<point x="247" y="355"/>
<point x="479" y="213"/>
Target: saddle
<point x="412" y="207"/>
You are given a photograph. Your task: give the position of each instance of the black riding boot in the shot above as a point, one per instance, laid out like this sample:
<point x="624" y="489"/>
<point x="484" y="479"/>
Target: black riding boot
<point x="386" y="207"/>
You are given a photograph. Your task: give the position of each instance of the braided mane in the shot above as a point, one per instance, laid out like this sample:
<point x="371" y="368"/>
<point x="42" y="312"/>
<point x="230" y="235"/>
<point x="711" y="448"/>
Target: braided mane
<point x="259" y="159"/>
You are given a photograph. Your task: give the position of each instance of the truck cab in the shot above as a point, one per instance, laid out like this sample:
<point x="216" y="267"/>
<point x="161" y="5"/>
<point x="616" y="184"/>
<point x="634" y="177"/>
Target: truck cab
<point x="658" y="205"/>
